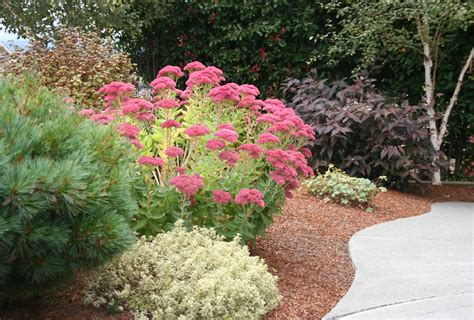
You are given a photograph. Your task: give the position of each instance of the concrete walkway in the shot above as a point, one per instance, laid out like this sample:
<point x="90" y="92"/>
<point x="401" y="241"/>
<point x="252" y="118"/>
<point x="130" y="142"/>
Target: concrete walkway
<point x="415" y="268"/>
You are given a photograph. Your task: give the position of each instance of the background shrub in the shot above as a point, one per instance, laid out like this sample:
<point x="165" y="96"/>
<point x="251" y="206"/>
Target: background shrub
<point x="186" y="275"/>
<point x="212" y="155"/>
<point x="79" y="63"/>
<point x="64" y="191"/>
<point x="337" y="186"/>
<point x="360" y="132"/>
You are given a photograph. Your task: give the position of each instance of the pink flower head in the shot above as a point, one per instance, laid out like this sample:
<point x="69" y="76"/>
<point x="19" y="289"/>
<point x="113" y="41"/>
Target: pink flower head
<point x="136" y="143"/>
<point x="247" y="196"/>
<point x="187" y="184"/>
<point x="248" y="90"/>
<point x="167" y="104"/>
<point x="221" y="197"/>
<point x="215" y="144"/>
<point x="225" y="92"/>
<point x="267" y="138"/>
<point x="186" y="94"/>
<point x="162" y="83"/>
<point x="197" y="130"/>
<point x="215" y="70"/>
<point x="116" y="90"/>
<point x="103" y="118"/>
<point x="68" y="100"/>
<point x="146" y="117"/>
<point x="253" y="150"/>
<point x="194" y="66"/>
<point x="172" y="71"/>
<point x="226" y="126"/>
<point x="273" y="105"/>
<point x="171" y="124"/>
<point x="142" y="103"/>
<point x="251" y="103"/>
<point x="151" y="161"/>
<point x="267" y="117"/>
<point x="117" y="86"/>
<point x="128" y="130"/>
<point x="130" y="107"/>
<point x="180" y="170"/>
<point x="174" y="152"/>
<point x="86" y="112"/>
<point x="205" y="76"/>
<point x="227" y="135"/>
<point x="229" y="156"/>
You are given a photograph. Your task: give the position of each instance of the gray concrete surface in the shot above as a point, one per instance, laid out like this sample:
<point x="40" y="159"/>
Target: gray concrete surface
<point x="414" y="268"/>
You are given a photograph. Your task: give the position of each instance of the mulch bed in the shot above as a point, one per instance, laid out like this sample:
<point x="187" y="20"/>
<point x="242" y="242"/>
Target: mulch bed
<point x="306" y="247"/>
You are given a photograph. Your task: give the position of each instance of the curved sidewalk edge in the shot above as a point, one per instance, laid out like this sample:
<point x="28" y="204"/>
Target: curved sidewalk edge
<point x="413" y="268"/>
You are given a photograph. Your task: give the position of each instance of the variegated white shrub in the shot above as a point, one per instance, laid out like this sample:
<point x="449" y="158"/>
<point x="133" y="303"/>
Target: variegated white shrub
<point x="186" y="275"/>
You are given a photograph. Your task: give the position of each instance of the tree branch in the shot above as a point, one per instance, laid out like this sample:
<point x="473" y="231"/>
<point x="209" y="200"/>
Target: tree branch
<point x="454" y="97"/>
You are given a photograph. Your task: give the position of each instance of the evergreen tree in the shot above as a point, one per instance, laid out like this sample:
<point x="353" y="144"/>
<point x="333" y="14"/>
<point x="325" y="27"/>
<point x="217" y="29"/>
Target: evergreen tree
<point x="65" y="197"/>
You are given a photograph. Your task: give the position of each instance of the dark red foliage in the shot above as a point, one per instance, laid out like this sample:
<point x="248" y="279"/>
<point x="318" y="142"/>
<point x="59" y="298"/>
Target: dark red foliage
<point x="360" y="132"/>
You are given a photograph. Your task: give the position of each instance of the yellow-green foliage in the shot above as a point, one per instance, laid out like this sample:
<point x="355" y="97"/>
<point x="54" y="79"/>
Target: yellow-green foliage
<point x="186" y="275"/>
<point x="336" y="185"/>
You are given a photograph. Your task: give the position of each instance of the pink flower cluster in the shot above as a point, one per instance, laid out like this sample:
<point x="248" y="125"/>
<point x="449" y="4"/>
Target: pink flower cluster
<point x="210" y="75"/>
<point x="116" y="91"/>
<point x="167" y="103"/>
<point x="140" y="109"/>
<point x="174" y="152"/>
<point x="151" y="161"/>
<point x="197" y="130"/>
<point x="215" y="144"/>
<point x="247" y="196"/>
<point x="221" y="197"/>
<point x="253" y="150"/>
<point x="285" y="120"/>
<point x="288" y="165"/>
<point x="225" y="92"/>
<point x="228" y="135"/>
<point x="187" y="184"/>
<point x="171" y="71"/>
<point x="162" y="83"/>
<point x="229" y="156"/>
<point x="171" y="124"/>
<point x="128" y="130"/>
<point x="194" y="66"/>
<point x="267" y="138"/>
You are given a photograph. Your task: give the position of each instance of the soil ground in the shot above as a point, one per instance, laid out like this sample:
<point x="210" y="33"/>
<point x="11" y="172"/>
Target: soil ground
<point x="306" y="248"/>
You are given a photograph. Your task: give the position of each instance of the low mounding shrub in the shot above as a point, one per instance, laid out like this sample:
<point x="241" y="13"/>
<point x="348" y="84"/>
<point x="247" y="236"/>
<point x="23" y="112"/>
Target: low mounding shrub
<point x="360" y="133"/>
<point x="65" y="195"/>
<point x="336" y="185"/>
<point x="78" y="63"/>
<point x="212" y="155"/>
<point x="186" y="275"/>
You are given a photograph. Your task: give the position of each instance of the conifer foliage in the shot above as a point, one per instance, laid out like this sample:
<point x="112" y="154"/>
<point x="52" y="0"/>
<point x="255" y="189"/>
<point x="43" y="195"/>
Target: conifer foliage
<point x="65" y="197"/>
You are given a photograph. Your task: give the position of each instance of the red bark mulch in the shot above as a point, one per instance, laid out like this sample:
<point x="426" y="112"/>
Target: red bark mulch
<point x="306" y="247"/>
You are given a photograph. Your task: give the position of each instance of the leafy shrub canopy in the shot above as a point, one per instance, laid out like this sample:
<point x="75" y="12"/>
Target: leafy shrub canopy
<point x="359" y="132"/>
<point x="79" y="63"/>
<point x="186" y="275"/>
<point x="338" y="186"/>
<point x="212" y="155"/>
<point x="65" y="196"/>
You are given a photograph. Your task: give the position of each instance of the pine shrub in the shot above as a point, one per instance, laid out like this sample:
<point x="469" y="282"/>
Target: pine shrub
<point x="65" y="198"/>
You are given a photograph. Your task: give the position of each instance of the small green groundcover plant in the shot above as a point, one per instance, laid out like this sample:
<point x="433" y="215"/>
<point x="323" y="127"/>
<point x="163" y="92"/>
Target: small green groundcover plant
<point x="65" y="195"/>
<point x="213" y="154"/>
<point x="185" y="275"/>
<point x="336" y="185"/>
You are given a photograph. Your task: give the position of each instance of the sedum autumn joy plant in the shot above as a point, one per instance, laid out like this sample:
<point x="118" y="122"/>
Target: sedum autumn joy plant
<point x="212" y="154"/>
